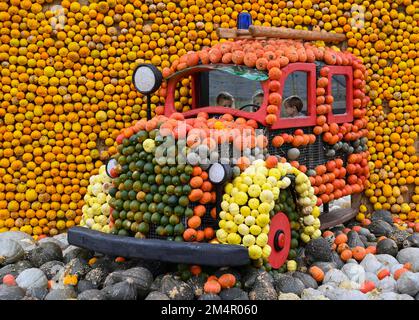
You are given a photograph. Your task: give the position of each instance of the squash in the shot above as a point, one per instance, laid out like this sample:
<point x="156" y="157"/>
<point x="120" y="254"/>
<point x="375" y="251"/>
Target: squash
<point x="263" y="288"/>
<point x="209" y="296"/>
<point x="318" y="250"/>
<point x="10" y="251"/>
<point x="293" y="154"/>
<point x="227" y="281"/>
<point x="383" y="215"/>
<point x="212" y="286"/>
<point x="380" y="228"/>
<point x="387" y="246"/>
<point x="176" y="289"/>
<point x="316" y="273"/>
<point x="11" y="293"/>
<point x="124" y="290"/>
<point x="234" y="294"/>
<point x="32" y="278"/>
<point x="197" y="284"/>
<point x="141" y="278"/>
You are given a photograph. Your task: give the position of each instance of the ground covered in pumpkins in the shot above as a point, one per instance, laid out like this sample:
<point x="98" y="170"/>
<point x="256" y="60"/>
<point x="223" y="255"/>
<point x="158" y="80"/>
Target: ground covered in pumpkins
<point x="51" y="269"/>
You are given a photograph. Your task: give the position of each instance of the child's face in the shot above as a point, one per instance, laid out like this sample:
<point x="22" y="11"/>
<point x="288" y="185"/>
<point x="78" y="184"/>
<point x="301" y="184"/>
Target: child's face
<point x="291" y="111"/>
<point x="226" y="103"/>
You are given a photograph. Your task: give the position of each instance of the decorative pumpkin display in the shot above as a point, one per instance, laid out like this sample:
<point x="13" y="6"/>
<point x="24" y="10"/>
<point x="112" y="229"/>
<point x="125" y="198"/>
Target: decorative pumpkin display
<point x="66" y="91"/>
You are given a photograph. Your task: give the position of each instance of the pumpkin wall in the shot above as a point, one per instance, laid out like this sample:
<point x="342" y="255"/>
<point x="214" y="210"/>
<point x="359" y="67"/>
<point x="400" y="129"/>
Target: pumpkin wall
<point x="66" y="92"/>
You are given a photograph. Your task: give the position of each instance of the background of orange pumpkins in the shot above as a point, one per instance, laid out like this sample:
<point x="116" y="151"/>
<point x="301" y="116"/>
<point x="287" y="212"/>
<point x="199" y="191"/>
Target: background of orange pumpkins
<point x="65" y="90"/>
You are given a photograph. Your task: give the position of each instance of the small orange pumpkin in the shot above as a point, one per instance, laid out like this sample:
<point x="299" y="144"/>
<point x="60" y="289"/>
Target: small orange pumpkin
<point x="227" y="281"/>
<point x="358" y="253"/>
<point x="316" y="273"/>
<point x="212" y="286"/>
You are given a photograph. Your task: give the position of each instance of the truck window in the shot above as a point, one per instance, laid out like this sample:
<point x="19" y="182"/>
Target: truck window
<point x="294" y="95"/>
<point x="226" y="89"/>
<point x="339" y="94"/>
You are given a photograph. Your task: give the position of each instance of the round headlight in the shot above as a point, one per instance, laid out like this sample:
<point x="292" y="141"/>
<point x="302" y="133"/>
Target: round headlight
<point x="147" y="78"/>
<point x="219" y="173"/>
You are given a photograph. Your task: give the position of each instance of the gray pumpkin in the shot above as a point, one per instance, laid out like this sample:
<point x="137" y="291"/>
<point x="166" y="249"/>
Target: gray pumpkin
<point x="234" y="294"/>
<point x="399" y="236"/>
<point x="382" y="215"/>
<point x="197" y="284"/>
<point x="10" y="251"/>
<point x="124" y="290"/>
<point x="32" y="278"/>
<point x="61" y="294"/>
<point x="380" y="228"/>
<point x="141" y="278"/>
<point x="176" y="289"/>
<point x="156" y="295"/>
<point x="209" y="296"/>
<point x="45" y="252"/>
<point x="11" y="292"/>
<point x="318" y="250"/>
<point x="387" y="246"/>
<point x="92" y="294"/>
<point x="263" y="288"/>
<point x="354" y="240"/>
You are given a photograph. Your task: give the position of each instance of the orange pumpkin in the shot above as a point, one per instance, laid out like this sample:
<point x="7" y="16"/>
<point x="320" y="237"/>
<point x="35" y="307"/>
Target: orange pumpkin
<point x="189" y="234"/>
<point x="227" y="281"/>
<point x="367" y="286"/>
<point x="271" y="162"/>
<point x="194" y="222"/>
<point x="212" y="286"/>
<point x="398" y="273"/>
<point x="383" y="273"/>
<point x="316" y="273"/>
<point x="358" y="253"/>
<point x="195" y="270"/>
<point x="346" y="255"/>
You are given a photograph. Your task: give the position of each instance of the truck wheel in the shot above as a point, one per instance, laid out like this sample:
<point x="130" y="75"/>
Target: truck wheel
<point x="279" y="239"/>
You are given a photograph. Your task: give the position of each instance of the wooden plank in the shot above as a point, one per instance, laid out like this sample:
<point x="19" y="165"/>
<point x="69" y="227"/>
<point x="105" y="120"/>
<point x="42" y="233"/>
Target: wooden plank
<point x="288" y="33"/>
<point x="336" y="217"/>
<point x="228" y="33"/>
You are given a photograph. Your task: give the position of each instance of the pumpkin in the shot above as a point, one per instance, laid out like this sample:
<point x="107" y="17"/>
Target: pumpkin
<point x="9" y="280"/>
<point x="227" y="280"/>
<point x="316" y="273"/>
<point x="124" y="290"/>
<point x="48" y="251"/>
<point x="387" y="246"/>
<point x="140" y="277"/>
<point x="197" y="284"/>
<point x="367" y="286"/>
<point x="176" y="289"/>
<point x="383" y="273"/>
<point x="10" y="251"/>
<point x="358" y="253"/>
<point x="209" y="296"/>
<point x="398" y="273"/>
<point x="212" y="286"/>
<point x="32" y="278"/>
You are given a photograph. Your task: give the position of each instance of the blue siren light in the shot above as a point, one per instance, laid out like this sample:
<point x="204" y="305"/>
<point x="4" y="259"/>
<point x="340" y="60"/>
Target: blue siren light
<point x="244" y="20"/>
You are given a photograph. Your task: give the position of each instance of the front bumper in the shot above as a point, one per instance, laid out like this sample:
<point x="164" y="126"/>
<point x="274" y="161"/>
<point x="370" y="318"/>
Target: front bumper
<point x="162" y="250"/>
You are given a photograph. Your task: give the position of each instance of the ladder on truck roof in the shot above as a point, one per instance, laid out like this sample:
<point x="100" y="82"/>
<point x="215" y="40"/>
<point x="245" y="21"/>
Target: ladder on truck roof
<point x="279" y="33"/>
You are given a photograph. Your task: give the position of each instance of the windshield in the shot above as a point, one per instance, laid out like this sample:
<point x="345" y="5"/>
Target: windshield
<point x="229" y="86"/>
